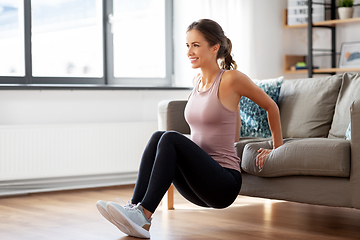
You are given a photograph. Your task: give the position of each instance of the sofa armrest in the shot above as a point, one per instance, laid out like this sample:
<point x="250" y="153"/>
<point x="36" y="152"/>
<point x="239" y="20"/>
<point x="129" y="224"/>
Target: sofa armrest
<point x="171" y="116"/>
<point x="355" y="153"/>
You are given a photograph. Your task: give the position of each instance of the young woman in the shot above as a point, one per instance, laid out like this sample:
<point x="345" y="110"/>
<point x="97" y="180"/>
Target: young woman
<point x="205" y="170"/>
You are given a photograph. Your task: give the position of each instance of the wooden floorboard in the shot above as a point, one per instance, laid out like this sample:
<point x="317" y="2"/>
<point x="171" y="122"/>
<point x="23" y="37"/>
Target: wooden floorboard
<point x="73" y="215"/>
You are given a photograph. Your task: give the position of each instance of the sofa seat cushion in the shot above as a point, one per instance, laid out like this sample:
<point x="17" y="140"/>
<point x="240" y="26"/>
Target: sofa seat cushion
<point x="309" y="156"/>
<point x="240" y="145"/>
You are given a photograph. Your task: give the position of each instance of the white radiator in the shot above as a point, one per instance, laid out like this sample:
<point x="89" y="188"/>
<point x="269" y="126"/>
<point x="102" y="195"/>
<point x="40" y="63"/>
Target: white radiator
<point x="43" y="158"/>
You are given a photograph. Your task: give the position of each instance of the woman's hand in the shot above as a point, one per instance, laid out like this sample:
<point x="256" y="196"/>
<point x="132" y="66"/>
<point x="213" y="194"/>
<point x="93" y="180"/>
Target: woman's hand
<point x="261" y="157"/>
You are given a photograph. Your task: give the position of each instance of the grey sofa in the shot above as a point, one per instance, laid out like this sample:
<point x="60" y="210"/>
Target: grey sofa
<point x="316" y="164"/>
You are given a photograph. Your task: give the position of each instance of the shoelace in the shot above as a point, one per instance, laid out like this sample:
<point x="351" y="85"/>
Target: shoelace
<point x="137" y="209"/>
<point x="127" y="205"/>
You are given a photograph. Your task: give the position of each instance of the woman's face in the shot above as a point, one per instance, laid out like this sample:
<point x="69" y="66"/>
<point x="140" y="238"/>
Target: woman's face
<point x="199" y="52"/>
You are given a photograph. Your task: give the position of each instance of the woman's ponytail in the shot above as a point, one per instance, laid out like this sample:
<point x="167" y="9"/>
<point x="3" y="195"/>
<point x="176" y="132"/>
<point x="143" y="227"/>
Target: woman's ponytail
<point x="227" y="62"/>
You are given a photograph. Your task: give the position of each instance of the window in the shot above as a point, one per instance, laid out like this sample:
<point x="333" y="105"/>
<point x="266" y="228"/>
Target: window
<point x="86" y="42"/>
<point x="139" y="35"/>
<point x="67" y="38"/>
<point x="141" y="46"/>
<point x="12" y="60"/>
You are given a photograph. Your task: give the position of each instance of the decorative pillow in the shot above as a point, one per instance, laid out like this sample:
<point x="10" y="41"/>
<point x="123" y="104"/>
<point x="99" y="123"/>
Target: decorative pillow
<point x="349" y="92"/>
<point x="348" y="132"/>
<point x="307" y="106"/>
<point x="254" y="121"/>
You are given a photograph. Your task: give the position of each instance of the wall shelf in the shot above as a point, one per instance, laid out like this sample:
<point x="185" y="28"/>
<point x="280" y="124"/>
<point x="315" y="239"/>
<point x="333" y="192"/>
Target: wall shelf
<point x="336" y="70"/>
<point x="291" y="60"/>
<point x="330" y="23"/>
<point x="324" y="70"/>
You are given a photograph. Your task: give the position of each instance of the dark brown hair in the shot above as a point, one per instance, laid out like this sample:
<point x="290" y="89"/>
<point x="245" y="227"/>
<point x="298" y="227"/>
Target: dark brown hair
<point x="214" y="34"/>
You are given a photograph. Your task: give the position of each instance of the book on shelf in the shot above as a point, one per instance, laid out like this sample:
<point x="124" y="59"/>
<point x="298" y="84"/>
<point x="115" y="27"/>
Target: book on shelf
<point x="298" y="12"/>
<point x="294" y="68"/>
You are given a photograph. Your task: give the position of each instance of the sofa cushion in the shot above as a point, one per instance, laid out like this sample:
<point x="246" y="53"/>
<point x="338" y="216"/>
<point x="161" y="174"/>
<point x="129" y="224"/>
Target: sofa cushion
<point x="349" y="92"/>
<point x="239" y="146"/>
<point x="171" y="116"/>
<point x="311" y="156"/>
<point x="307" y="106"/>
<point x="254" y="122"/>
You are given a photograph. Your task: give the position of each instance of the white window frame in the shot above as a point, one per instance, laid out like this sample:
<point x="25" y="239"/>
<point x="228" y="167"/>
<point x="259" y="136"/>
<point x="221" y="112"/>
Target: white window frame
<point x="108" y="79"/>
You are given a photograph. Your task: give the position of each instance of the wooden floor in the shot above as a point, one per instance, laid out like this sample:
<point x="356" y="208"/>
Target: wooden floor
<point x="73" y="215"/>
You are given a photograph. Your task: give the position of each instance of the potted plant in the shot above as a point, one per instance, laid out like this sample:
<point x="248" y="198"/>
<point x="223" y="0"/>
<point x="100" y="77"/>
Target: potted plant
<point x="346" y="9"/>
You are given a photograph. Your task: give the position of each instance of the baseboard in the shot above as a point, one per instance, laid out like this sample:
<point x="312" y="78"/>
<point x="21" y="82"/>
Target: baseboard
<point x="22" y="187"/>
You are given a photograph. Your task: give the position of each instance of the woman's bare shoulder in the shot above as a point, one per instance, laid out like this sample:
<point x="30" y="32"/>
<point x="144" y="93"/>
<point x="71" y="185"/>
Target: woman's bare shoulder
<point x="235" y="77"/>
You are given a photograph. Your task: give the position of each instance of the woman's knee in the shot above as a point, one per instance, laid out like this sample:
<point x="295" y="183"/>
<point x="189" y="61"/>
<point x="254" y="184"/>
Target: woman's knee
<point x="169" y="138"/>
<point x="157" y="135"/>
<point x="170" y="135"/>
<point x="154" y="139"/>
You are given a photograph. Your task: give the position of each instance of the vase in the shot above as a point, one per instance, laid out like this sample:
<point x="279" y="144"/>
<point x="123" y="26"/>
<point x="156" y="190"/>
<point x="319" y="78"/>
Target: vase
<point x="345" y="12"/>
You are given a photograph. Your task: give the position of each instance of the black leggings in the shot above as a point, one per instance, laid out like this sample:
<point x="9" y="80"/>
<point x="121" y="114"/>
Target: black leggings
<point x="171" y="157"/>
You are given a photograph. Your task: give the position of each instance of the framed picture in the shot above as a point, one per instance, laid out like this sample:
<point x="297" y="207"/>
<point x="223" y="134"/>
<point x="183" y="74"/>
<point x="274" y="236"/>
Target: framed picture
<point x="350" y="55"/>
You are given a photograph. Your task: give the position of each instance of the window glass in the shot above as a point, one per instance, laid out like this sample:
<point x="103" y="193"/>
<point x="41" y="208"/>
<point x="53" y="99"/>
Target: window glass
<point x="139" y="38"/>
<point x="12" y="60"/>
<point x="67" y="38"/>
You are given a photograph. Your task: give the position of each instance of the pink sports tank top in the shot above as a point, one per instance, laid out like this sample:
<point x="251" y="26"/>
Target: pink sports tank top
<point x="213" y="127"/>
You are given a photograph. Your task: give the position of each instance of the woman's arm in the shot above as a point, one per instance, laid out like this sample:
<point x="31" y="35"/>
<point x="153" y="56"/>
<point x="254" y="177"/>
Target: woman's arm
<point x="244" y="86"/>
<point x="275" y="128"/>
<point x="274" y="122"/>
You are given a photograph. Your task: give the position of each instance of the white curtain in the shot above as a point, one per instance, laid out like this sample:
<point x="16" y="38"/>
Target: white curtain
<point x="235" y="17"/>
<point x="253" y="26"/>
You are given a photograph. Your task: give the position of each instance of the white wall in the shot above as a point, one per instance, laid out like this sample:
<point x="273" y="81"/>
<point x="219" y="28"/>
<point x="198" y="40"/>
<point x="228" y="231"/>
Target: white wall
<point x="45" y="136"/>
<point x="254" y="27"/>
<point x="261" y="24"/>
<point x="27" y="107"/>
<point x="268" y="39"/>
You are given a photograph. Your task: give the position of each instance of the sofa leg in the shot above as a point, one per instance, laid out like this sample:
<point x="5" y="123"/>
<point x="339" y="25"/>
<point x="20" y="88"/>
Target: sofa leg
<point x="168" y="199"/>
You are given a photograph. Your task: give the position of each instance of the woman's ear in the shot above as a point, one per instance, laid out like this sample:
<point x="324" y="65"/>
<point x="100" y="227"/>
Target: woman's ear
<point x="216" y="48"/>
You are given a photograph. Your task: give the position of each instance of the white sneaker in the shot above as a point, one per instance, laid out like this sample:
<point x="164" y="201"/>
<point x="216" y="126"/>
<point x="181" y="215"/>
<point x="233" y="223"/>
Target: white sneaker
<point x="132" y="219"/>
<point x="101" y="206"/>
